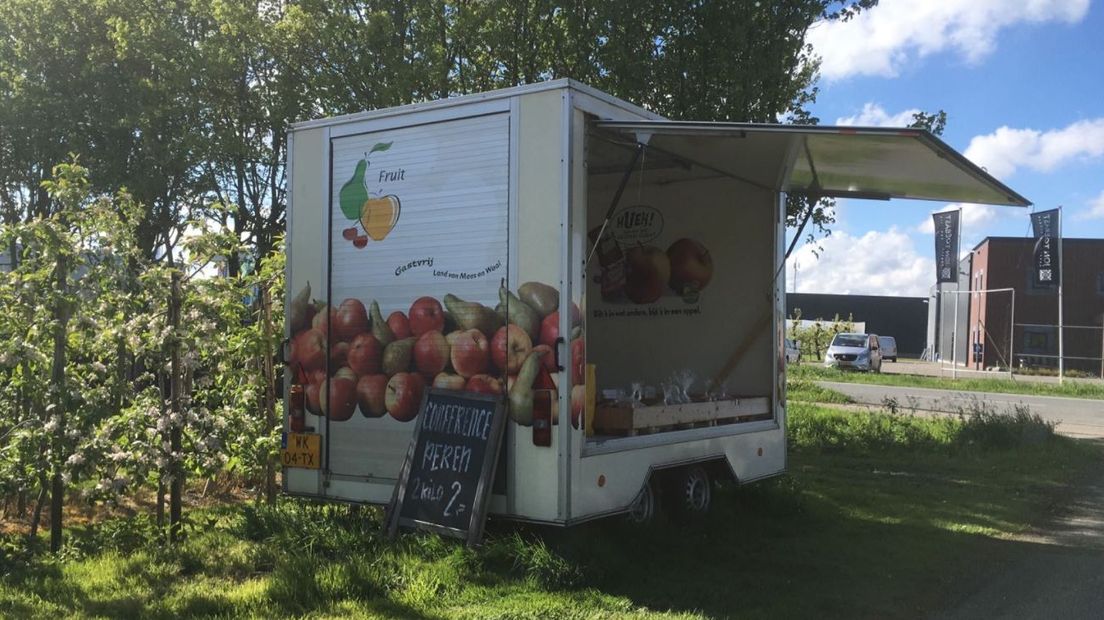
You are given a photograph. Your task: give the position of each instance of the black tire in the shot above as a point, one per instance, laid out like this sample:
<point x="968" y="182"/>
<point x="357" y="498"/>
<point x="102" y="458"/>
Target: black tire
<point x="645" y="507"/>
<point x="688" y="493"/>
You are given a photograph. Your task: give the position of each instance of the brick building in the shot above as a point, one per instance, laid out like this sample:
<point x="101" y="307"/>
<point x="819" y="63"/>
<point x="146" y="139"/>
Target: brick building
<point x="986" y="338"/>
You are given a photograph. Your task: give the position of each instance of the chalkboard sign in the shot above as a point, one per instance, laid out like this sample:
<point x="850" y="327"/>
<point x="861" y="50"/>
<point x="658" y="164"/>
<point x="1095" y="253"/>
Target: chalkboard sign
<point x="445" y="480"/>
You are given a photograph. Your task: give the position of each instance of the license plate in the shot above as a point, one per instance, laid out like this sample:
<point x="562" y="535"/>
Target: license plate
<point x="302" y="450"/>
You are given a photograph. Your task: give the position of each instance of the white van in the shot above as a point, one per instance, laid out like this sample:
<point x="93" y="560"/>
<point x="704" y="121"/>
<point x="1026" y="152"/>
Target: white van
<point x="888" y="344"/>
<point x="641" y="257"/>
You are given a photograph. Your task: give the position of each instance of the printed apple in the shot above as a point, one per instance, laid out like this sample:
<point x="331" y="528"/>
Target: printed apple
<point x="469" y="352"/>
<point x="550" y="326"/>
<point x="484" y="384"/>
<point x="399" y="324"/>
<point x="426" y="315"/>
<point x="338" y="354"/>
<point x="316" y="376"/>
<point x="548" y="357"/>
<point x="691" y="265"/>
<point x="314" y="402"/>
<point x="308" y="350"/>
<point x="449" y="381"/>
<point x="578" y="361"/>
<point x="647" y="272"/>
<point x="365" y="355"/>
<point x="404" y="395"/>
<point x="431" y="353"/>
<point x="346" y="373"/>
<point x="351" y="319"/>
<point x="372" y="395"/>
<point x="509" y="348"/>
<point x="338" y="398"/>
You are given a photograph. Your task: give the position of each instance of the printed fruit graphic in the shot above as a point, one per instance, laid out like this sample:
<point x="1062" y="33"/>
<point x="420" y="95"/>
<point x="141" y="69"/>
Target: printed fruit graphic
<point x="399" y="324"/>
<point x="365" y="355"/>
<point x="382" y="329"/>
<point x="470" y="352"/>
<point x="509" y="348"/>
<point x="338" y="354"/>
<point x="521" y="393"/>
<point x="550" y="326"/>
<point x="397" y="356"/>
<point x="578" y="361"/>
<point x="300" y="310"/>
<point x="540" y="297"/>
<point x="691" y="265"/>
<point x="353" y="193"/>
<point x="351" y="319"/>
<point x="484" y="384"/>
<point x="360" y="241"/>
<point x="338" y="398"/>
<point x="447" y="381"/>
<point x="647" y="272"/>
<point x="548" y="358"/>
<point x="314" y="404"/>
<point x="578" y="404"/>
<point x="431" y="353"/>
<point x="372" y="395"/>
<point x="349" y="233"/>
<point x="378" y="216"/>
<point x="346" y="373"/>
<point x="322" y="320"/>
<point x="472" y="315"/>
<point x="308" y="349"/>
<point x="426" y="315"/>
<point x="519" y="313"/>
<point x="404" y="395"/>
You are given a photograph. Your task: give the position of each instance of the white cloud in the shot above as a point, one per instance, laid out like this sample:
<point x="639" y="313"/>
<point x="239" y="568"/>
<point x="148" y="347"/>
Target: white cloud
<point x="882" y="40"/>
<point x="1007" y="149"/>
<point x="1096" y="209"/>
<point x="877" y="263"/>
<point x="874" y="115"/>
<point x="973" y="217"/>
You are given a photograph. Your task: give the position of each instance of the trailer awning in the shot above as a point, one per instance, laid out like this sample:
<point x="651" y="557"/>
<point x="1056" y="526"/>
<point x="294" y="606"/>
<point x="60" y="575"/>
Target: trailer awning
<point x="843" y="162"/>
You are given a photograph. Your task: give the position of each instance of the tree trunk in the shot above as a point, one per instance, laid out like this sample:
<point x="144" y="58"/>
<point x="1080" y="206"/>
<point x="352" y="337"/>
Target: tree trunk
<point x="57" y="380"/>
<point x="37" y="516"/>
<point x="176" y="468"/>
<point x="270" y="390"/>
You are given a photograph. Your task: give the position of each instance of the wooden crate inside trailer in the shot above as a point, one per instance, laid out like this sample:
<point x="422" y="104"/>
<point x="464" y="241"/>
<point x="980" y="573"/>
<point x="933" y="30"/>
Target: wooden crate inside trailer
<point x="615" y="419"/>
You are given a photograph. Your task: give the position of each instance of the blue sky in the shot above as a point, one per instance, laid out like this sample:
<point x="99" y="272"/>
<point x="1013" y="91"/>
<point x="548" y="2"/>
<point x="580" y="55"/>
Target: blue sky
<point x="1022" y="83"/>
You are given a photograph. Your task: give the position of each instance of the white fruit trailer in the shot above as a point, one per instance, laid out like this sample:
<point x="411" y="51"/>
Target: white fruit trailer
<point x="426" y="228"/>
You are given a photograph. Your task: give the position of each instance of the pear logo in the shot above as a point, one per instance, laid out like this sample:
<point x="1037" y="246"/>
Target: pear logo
<point x="373" y="216"/>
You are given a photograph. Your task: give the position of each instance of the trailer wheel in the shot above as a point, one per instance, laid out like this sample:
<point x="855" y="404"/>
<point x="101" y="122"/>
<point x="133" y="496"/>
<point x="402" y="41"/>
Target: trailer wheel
<point x="644" y="507"/>
<point x="691" y="492"/>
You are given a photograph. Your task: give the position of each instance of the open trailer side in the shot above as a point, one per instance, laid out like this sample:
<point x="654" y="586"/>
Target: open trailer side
<point x="659" y="245"/>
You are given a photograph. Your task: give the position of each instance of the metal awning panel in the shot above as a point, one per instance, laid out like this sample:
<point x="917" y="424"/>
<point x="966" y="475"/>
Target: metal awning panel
<point x="845" y="162"/>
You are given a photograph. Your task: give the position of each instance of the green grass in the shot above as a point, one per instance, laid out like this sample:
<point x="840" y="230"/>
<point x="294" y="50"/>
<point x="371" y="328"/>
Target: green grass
<point x="804" y="390"/>
<point x="1073" y="389"/>
<point x="881" y="515"/>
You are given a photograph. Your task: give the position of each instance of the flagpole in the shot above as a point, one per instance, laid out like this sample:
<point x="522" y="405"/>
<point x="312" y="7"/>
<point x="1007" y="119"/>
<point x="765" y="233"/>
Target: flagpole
<point x="958" y="290"/>
<point x="1061" y="275"/>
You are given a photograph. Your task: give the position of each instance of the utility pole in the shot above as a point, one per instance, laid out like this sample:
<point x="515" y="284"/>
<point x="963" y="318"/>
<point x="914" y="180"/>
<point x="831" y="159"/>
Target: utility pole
<point x="796" y="265"/>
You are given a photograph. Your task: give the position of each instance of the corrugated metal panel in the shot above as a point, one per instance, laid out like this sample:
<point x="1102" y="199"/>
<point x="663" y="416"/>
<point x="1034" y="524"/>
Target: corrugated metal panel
<point x="450" y="181"/>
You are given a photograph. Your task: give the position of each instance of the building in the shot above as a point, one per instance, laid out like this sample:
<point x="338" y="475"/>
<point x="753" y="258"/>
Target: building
<point x="999" y="269"/>
<point x="904" y="318"/>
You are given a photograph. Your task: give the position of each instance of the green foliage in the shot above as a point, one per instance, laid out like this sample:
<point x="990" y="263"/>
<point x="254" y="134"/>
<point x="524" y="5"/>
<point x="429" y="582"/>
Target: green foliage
<point x="814" y="339"/>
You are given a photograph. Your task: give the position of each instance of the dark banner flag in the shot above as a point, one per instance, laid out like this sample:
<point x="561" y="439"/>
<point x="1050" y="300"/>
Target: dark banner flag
<point x="946" y="246"/>
<point x="1045" y="225"/>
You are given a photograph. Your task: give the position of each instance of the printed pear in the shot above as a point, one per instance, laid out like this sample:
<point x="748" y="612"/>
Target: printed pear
<point x="353" y="195"/>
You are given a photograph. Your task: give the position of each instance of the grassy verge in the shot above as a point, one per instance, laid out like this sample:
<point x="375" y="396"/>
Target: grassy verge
<point x="1073" y="389"/>
<point x="806" y="391"/>
<point x="881" y="516"/>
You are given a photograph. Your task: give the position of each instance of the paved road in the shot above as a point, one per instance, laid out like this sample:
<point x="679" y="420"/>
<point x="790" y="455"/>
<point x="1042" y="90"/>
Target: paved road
<point x="1077" y="417"/>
